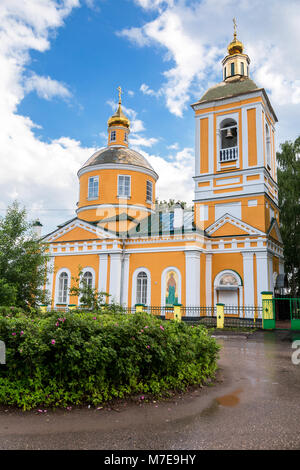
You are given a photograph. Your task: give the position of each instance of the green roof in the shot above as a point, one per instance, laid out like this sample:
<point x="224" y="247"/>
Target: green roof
<point x="228" y="89"/>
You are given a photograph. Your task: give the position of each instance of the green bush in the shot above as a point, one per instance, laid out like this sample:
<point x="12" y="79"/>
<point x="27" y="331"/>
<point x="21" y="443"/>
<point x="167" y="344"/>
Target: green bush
<point x="59" y="359"/>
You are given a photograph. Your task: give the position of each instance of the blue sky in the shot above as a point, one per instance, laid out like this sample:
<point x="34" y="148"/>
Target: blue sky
<point x="61" y="62"/>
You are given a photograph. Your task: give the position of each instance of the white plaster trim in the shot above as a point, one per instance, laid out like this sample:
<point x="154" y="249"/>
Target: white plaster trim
<point x="118" y="166"/>
<point x="115" y="277"/>
<point x="192" y="278"/>
<point x="125" y="280"/>
<point x="102" y="273"/>
<point x="116" y="205"/>
<point x="78" y="224"/>
<point x="134" y="282"/>
<point x="208" y="280"/>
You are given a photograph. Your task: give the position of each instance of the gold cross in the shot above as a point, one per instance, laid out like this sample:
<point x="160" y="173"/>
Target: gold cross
<point x="120" y="94"/>
<point x="234" y="26"/>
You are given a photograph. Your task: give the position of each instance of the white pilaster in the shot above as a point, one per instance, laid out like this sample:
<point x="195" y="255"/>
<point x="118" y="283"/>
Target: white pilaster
<point x="248" y="278"/>
<point x="211" y="143"/>
<point x="115" y="277"/>
<point x="259" y="136"/>
<point x="50" y="275"/>
<point x="102" y="273"/>
<point x="125" y="281"/>
<point x="262" y="274"/>
<point x="197" y="146"/>
<point x="192" y="278"/>
<point x="245" y="138"/>
<point x="270" y="269"/>
<point x="208" y="280"/>
<point x="281" y="266"/>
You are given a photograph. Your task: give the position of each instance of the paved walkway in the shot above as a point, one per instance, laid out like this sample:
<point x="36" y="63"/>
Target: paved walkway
<point x="254" y="405"/>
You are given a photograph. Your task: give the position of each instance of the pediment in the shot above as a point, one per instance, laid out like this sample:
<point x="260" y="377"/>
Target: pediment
<point x="78" y="230"/>
<point x="274" y="231"/>
<point x="228" y="225"/>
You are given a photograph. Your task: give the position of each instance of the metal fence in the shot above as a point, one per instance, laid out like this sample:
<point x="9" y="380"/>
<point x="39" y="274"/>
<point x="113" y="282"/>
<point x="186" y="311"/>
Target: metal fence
<point x="246" y="311"/>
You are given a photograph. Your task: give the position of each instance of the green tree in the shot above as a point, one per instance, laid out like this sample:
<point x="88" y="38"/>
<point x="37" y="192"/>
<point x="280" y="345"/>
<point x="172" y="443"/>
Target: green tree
<point x="23" y="261"/>
<point x="289" y="198"/>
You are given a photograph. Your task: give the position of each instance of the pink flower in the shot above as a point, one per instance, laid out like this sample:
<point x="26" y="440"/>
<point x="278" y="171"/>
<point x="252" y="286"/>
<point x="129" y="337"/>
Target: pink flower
<point x="146" y="326"/>
<point x="148" y="347"/>
<point x="21" y="333"/>
<point x="142" y="397"/>
<point x="94" y="318"/>
<point x="56" y="324"/>
<point x="162" y="328"/>
<point x="52" y="341"/>
<point x="14" y="334"/>
<point x="142" y="331"/>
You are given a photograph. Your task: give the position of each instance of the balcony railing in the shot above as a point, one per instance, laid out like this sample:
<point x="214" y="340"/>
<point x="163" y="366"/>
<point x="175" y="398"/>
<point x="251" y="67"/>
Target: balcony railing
<point x="228" y="155"/>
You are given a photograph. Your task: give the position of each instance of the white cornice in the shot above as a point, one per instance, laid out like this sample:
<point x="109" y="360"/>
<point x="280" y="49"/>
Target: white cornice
<point x="78" y="224"/>
<point x="118" y="166"/>
<point x="123" y="206"/>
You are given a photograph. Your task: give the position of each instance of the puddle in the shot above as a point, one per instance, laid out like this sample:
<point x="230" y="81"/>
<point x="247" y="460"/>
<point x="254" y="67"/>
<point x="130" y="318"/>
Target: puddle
<point x="231" y="399"/>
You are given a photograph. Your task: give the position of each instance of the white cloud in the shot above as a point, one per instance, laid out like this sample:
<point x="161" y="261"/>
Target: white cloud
<point x="194" y="36"/>
<point x="148" y="91"/>
<point x="40" y="174"/>
<point x="175" y="176"/>
<point x="137" y="141"/>
<point x="46" y="87"/>
<point x="153" y="4"/>
<point x="174" y="146"/>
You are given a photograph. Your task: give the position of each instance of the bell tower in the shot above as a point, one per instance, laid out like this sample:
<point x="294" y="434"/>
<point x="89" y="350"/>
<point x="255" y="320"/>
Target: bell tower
<point x="236" y="193"/>
<point x="235" y="168"/>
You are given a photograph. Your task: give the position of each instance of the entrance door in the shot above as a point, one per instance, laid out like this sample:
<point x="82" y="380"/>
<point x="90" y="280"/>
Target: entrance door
<point x="228" y="297"/>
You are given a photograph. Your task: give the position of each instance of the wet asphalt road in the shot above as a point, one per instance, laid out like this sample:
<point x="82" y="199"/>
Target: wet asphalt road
<point x="255" y="404"/>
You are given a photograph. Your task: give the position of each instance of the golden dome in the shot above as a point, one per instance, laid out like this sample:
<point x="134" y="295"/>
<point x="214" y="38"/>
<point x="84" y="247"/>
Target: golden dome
<point x="236" y="46"/>
<point x="119" y="118"/>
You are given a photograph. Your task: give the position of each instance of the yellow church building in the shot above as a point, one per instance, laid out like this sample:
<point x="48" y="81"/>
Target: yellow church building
<point x="226" y="248"/>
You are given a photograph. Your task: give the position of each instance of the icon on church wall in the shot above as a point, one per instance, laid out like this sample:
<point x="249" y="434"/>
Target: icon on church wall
<point x="171" y="288"/>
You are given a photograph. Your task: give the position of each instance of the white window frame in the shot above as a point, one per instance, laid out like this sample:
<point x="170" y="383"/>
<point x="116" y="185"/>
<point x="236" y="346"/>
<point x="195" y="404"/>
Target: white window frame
<point x="113" y="136"/>
<point x="57" y="286"/>
<point x="134" y="285"/>
<point x="124" y="196"/>
<point x="220" y="119"/>
<point x="91" y="186"/>
<point x="126" y="137"/>
<point x="149" y="199"/>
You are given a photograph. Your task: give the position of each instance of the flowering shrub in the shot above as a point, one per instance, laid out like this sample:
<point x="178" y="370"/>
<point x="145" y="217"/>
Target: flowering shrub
<point x="74" y="358"/>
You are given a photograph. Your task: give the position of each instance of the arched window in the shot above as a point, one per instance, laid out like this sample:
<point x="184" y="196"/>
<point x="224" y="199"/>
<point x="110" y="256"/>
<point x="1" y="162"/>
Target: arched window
<point x="62" y="288"/>
<point x="228" y="288"/>
<point x="141" y="288"/>
<point x="232" y="68"/>
<point x="113" y="136"/>
<point x="88" y="279"/>
<point x="228" y="140"/>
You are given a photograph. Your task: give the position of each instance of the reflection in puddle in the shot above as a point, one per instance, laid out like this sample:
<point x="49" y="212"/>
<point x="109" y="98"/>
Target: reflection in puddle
<point x="229" y="400"/>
